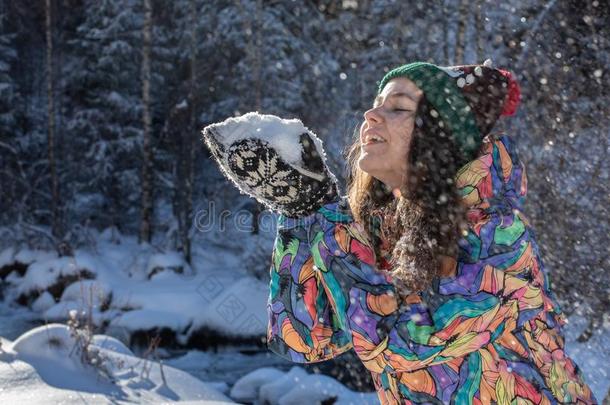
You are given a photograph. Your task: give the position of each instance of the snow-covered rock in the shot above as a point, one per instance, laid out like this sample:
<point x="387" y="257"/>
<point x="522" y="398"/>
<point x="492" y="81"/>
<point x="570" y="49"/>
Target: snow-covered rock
<point x="270" y="385"/>
<point x="59" y="311"/>
<point x="10" y="265"/>
<point x="110" y="234"/>
<point x="246" y="388"/>
<point x="90" y="293"/>
<point x="43" y="302"/>
<point x="234" y="307"/>
<point x="148" y="319"/>
<point x="222" y="302"/>
<point x="44" y="340"/>
<point x="28" y="256"/>
<point x="7" y="256"/>
<point x="274" y="390"/>
<point x="159" y="263"/>
<point x="44" y="274"/>
<point x="316" y="388"/>
<point x="42" y="367"/>
<point x="110" y="343"/>
<point x="13" y="278"/>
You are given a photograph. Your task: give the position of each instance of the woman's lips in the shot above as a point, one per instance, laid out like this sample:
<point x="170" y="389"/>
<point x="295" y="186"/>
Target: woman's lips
<point x="372" y="136"/>
<point x="372" y="144"/>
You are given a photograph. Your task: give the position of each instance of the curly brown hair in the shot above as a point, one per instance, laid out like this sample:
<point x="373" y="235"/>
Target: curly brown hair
<point x="426" y="220"/>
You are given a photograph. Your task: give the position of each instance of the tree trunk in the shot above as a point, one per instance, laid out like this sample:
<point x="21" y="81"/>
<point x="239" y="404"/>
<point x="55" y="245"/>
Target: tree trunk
<point x="447" y="9"/>
<point x="460" y="45"/>
<point x="254" y="55"/>
<point x="479" y="31"/>
<point x="258" y="91"/>
<point x="189" y="158"/>
<point x="146" y="208"/>
<point x="55" y="219"/>
<point x="258" y="56"/>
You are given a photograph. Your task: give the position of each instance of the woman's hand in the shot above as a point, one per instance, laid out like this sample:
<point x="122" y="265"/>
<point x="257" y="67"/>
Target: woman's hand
<point x="280" y="163"/>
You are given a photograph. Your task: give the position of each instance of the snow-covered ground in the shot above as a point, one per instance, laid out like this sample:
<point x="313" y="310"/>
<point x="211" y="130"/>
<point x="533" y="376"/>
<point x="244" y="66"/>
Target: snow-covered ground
<point x="592" y="356"/>
<point x="43" y="366"/>
<point x="15" y="320"/>
<point x="268" y="385"/>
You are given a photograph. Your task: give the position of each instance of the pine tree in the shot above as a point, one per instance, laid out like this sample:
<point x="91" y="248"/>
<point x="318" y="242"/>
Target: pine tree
<point x="11" y="179"/>
<point x="103" y="119"/>
<point x="54" y="186"/>
<point x="147" y="155"/>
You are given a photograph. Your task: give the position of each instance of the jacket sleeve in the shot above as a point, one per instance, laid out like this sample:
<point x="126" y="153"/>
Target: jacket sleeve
<point x="302" y="324"/>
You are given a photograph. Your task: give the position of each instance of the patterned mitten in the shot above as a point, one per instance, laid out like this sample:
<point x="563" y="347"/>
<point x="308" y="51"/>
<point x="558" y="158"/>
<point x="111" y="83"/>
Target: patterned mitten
<point x="281" y="163"/>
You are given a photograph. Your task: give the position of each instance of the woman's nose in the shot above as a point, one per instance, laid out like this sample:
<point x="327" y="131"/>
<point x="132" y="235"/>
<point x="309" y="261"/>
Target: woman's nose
<point x="372" y="115"/>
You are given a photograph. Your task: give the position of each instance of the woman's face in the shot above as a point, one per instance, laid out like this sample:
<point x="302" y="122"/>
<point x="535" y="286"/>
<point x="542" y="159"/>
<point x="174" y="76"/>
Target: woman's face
<point x="387" y="130"/>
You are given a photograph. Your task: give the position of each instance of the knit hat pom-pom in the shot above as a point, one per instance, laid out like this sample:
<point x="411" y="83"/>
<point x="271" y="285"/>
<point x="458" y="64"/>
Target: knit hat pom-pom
<point x="513" y="96"/>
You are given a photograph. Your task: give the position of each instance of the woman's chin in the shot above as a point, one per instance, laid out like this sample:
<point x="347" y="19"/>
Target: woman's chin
<point x="368" y="164"/>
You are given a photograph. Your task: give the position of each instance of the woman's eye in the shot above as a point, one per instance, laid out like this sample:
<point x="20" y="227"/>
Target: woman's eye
<point x="400" y="109"/>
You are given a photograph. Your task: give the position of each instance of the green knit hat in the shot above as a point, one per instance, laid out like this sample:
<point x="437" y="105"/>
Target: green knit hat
<point x="469" y="99"/>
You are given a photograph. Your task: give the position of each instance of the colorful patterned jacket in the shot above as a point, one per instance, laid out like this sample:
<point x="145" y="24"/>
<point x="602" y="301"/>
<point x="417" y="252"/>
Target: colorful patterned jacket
<point x="488" y="331"/>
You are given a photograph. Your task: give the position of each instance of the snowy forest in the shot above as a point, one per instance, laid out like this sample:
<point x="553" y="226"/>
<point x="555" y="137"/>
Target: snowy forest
<point x="118" y="230"/>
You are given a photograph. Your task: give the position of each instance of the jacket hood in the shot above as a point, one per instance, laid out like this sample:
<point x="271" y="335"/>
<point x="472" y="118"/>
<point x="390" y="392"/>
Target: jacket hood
<point x="493" y="181"/>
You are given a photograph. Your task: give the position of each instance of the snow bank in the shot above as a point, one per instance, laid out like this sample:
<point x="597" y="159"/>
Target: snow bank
<point x="7" y="256"/>
<point x="592" y="356"/>
<point x="274" y="390"/>
<point x="316" y="388"/>
<point x="88" y="292"/>
<point x="43" y="302"/>
<point x="239" y="308"/>
<point x="13" y="263"/>
<point x="164" y="262"/>
<point x="246" y="388"/>
<point x="84" y="296"/>
<point x="131" y="287"/>
<point x="28" y="256"/>
<point x="209" y="304"/>
<point x="45" y="273"/>
<point x="110" y="343"/>
<point x="40" y="367"/>
<point x="147" y="319"/>
<point x="270" y="385"/>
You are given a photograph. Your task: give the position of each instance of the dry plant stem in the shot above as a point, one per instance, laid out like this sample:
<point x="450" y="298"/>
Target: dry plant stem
<point x="151" y="350"/>
<point x="82" y="332"/>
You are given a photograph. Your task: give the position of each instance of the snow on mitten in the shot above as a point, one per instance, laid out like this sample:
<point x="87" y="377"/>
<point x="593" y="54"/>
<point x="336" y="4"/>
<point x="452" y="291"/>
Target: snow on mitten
<point x="281" y="163"/>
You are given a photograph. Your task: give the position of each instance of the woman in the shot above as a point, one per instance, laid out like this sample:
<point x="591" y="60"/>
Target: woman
<point x="429" y="269"/>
